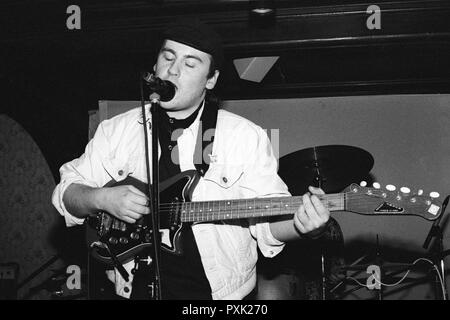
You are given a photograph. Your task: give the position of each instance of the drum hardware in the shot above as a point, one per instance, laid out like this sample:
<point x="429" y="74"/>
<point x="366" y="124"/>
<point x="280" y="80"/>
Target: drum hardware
<point x="332" y="168"/>
<point x="329" y="167"/>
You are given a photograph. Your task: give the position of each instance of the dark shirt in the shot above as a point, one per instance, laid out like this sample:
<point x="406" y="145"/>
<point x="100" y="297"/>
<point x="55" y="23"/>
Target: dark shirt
<point x="182" y="277"/>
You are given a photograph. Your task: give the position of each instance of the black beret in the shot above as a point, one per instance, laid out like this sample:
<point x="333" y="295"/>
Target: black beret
<point x="198" y="35"/>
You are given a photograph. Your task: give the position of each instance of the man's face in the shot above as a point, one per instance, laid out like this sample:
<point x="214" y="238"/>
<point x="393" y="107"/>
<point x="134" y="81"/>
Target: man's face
<point x="187" y="68"/>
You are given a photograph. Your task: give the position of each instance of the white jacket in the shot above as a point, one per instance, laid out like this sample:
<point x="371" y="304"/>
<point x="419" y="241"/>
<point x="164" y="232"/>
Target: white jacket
<point x="242" y="166"/>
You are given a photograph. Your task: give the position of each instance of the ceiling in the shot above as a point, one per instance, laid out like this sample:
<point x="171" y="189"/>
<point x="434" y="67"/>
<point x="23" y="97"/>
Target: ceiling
<point x="324" y="46"/>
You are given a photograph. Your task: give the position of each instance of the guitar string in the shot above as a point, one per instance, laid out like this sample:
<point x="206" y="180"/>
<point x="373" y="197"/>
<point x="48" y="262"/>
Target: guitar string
<point x="225" y="211"/>
<point x="294" y="201"/>
<point x="261" y="212"/>
<point x="224" y="208"/>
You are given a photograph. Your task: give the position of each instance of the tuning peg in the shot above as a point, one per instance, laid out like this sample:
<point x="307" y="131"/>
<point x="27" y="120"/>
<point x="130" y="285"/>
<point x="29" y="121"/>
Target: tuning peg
<point x="420" y="192"/>
<point x="390" y="187"/>
<point x="434" y="194"/>
<point x="363" y="183"/>
<point x="405" y="190"/>
<point x="376" y="185"/>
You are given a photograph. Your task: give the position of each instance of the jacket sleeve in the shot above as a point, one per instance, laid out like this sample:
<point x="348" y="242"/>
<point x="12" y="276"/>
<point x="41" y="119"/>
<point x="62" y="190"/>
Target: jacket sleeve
<point x="87" y="170"/>
<point x="261" y="180"/>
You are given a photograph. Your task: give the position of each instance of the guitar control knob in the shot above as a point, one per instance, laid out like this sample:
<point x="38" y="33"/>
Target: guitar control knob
<point x="363" y="183"/>
<point x="405" y="190"/>
<point x="434" y="194"/>
<point x="390" y="187"/>
<point x="376" y="185"/>
<point x="420" y="192"/>
<point x="123" y="240"/>
<point x="112" y="240"/>
<point x="134" y="236"/>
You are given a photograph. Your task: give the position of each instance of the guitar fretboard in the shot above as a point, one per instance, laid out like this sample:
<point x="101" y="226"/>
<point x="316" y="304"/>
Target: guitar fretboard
<point x="251" y="208"/>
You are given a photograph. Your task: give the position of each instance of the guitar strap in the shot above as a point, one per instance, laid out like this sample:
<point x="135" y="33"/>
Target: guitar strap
<point x="205" y="136"/>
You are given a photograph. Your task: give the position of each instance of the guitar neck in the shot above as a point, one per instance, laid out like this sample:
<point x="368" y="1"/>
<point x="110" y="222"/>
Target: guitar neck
<point x="204" y="211"/>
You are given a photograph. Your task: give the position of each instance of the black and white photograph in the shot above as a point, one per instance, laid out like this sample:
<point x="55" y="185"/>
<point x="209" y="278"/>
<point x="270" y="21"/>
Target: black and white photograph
<point x="250" y="151"/>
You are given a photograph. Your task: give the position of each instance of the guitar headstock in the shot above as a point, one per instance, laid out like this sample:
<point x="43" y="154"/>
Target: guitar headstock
<point x="390" y="201"/>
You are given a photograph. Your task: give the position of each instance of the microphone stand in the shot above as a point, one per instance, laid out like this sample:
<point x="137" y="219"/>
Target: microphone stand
<point x="437" y="250"/>
<point x="154" y="100"/>
<point x="149" y="267"/>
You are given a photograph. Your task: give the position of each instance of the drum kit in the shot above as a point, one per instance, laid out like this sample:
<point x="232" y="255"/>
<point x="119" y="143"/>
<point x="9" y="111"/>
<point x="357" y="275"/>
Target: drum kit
<point x="332" y="168"/>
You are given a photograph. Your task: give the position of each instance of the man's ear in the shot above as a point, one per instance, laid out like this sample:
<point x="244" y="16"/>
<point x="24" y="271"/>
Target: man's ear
<point x="210" y="84"/>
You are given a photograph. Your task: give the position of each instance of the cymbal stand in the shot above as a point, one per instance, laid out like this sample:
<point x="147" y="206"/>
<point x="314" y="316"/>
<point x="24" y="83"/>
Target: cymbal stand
<point x="319" y="181"/>
<point x="379" y="263"/>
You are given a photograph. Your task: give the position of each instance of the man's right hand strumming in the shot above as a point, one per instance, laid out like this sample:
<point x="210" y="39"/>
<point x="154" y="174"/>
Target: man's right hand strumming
<point x="126" y="202"/>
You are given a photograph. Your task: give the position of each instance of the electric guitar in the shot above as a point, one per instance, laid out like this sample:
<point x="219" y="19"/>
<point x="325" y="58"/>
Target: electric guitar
<point x="113" y="240"/>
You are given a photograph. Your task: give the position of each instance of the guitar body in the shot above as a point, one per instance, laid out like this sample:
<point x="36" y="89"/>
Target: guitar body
<point x="106" y="234"/>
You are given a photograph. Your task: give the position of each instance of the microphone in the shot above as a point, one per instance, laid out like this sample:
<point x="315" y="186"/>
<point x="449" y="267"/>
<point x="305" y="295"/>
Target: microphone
<point x="164" y="88"/>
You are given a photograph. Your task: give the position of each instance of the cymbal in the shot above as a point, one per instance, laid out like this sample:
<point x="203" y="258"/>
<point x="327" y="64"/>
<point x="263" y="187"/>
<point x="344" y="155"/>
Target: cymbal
<point x="330" y="167"/>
